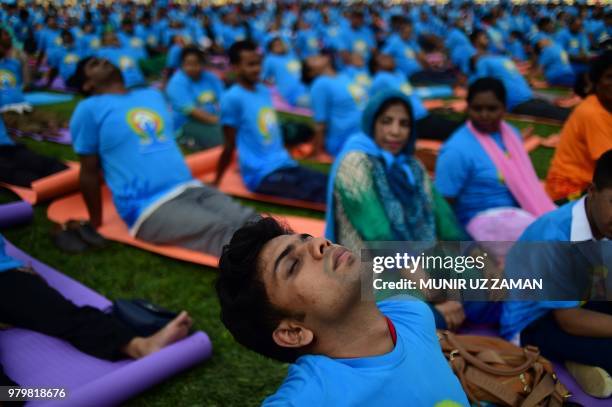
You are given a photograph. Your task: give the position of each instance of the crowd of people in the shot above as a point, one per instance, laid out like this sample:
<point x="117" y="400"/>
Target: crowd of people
<point x="219" y="72"/>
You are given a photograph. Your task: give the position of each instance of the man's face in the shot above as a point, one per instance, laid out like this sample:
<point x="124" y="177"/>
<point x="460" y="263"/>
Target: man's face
<point x="192" y="66"/>
<point x="249" y="67"/>
<point x="601" y="210"/>
<point x="311" y="277"/>
<point x="97" y="72"/>
<point x="604" y="87"/>
<point x="406" y="31"/>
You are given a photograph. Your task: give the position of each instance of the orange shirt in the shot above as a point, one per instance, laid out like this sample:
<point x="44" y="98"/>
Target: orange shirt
<point x="586" y="135"/>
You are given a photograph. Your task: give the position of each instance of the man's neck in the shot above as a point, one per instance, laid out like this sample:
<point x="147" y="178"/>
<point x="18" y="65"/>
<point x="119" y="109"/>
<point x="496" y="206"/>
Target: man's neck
<point x="363" y="333"/>
<point x="329" y="71"/>
<point x="589" y="213"/>
<point x="247" y="84"/>
<point x="114" y="88"/>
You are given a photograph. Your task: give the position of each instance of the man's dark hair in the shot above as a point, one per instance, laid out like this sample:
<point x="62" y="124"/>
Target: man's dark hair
<point x="542" y="22"/>
<point x="246" y="310"/>
<point x="599" y="66"/>
<point x="77" y="80"/>
<point x="475" y="34"/>
<point x="239" y="46"/>
<point x="487" y="84"/>
<point x="602" y="177"/>
<point x="193" y="50"/>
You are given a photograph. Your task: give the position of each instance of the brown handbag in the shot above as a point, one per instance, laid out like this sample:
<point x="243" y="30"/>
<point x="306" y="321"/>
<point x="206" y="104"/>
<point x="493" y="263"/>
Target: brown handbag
<point x="493" y="370"/>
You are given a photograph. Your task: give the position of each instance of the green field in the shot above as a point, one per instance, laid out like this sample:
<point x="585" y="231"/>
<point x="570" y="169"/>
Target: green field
<point x="233" y="376"/>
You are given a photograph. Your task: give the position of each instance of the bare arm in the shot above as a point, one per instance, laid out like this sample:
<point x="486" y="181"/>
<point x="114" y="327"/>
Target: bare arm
<point x="318" y="139"/>
<point x="90" y="188"/>
<point x="584" y="322"/>
<point x="229" y="134"/>
<point x="204" y="117"/>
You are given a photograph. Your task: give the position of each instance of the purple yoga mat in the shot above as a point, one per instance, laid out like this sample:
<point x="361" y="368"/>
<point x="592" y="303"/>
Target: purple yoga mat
<point x="58" y="84"/>
<point x="64" y="137"/>
<point x="36" y="360"/>
<point x="15" y="213"/>
<point x="578" y="396"/>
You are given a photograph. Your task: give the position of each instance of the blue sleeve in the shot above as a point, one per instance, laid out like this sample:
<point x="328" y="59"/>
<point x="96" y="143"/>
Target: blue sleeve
<point x="267" y="72"/>
<point x="452" y="172"/>
<point x="230" y="110"/>
<point x="84" y="131"/>
<point x="318" y="93"/>
<point x="179" y="96"/>
<point x="303" y="386"/>
<point x="415" y="315"/>
<point x="480" y="70"/>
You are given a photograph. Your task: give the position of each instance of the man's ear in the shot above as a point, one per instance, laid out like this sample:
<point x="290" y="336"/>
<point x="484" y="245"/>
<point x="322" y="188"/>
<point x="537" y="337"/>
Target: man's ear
<point x="290" y="334"/>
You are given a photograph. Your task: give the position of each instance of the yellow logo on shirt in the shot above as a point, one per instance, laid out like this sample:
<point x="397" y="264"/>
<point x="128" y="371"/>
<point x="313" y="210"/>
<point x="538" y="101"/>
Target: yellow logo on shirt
<point x="71" y="59"/>
<point x="363" y="79"/>
<point x="126" y="62"/>
<point x="509" y="65"/>
<point x="564" y="57"/>
<point x="94" y="43"/>
<point x="58" y="40"/>
<point x="409" y="53"/>
<point x="406" y="88"/>
<point x="151" y="39"/>
<point x="294" y="66"/>
<point x="7" y="79"/>
<point x="358" y="93"/>
<point x="135" y="42"/>
<point x="332" y="32"/>
<point x="360" y="46"/>
<point x="573" y="43"/>
<point x="147" y="124"/>
<point x="207" y="96"/>
<point x="313" y="43"/>
<point x="267" y="123"/>
<point x="447" y="403"/>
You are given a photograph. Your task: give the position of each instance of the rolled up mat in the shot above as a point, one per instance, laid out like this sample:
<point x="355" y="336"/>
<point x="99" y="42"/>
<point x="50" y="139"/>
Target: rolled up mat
<point x="49" y="187"/>
<point x="113" y="227"/>
<point x="578" y="396"/>
<point x="15" y="213"/>
<point x="36" y="360"/>
<point x="280" y="105"/>
<point x="46" y="98"/>
<point x="64" y="136"/>
<point x="434" y="92"/>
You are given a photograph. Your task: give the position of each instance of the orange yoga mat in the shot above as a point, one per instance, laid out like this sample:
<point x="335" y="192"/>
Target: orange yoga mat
<point x="113" y="227"/>
<point x="49" y="187"/>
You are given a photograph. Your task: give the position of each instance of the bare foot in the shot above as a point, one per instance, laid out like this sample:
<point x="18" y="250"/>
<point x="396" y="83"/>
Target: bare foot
<point x="176" y="330"/>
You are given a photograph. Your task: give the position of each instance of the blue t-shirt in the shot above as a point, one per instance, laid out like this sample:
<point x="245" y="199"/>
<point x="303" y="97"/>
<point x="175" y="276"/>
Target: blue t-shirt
<point x="49" y="39"/>
<point x="404" y="55"/>
<point x="186" y="94"/>
<point x="359" y="40"/>
<point x="11" y="82"/>
<point x="574" y="44"/>
<point x="134" y="43"/>
<point x="517" y="50"/>
<point x="6" y="261"/>
<point x="65" y="61"/>
<point x="133" y="136"/>
<point x="307" y="43"/>
<point x="89" y="44"/>
<point x="504" y="69"/>
<point x="127" y="62"/>
<point x="465" y="172"/>
<point x="337" y="101"/>
<point x="553" y="226"/>
<point x="554" y="62"/>
<point x="284" y="71"/>
<point x="5" y="139"/>
<point x="258" y="136"/>
<point x="456" y="39"/>
<point x="396" y="80"/>
<point x="414" y="373"/>
<point x="230" y="34"/>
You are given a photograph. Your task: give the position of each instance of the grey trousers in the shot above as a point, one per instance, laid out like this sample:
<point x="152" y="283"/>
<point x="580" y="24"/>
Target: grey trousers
<point x="201" y="218"/>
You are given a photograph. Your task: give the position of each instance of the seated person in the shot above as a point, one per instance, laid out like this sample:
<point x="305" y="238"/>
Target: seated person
<point x="250" y="126"/>
<point x="572" y="331"/>
<point x="357" y="70"/>
<point x="195" y="94"/>
<point x="64" y="59"/>
<point x="128" y="135"/>
<point x="478" y="178"/>
<point x="126" y="59"/>
<point x="337" y="101"/>
<point x="129" y="39"/>
<point x="28" y="302"/>
<point x="584" y="137"/>
<point x="282" y="68"/>
<point x="520" y="100"/>
<point x="554" y="63"/>
<point x="573" y="39"/>
<point x="427" y="125"/>
<point x="299" y="300"/>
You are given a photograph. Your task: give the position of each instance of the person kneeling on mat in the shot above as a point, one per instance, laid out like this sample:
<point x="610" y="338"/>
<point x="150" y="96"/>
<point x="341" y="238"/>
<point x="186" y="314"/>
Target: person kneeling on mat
<point x="299" y="299"/>
<point x="28" y="302"/>
<point x="128" y="134"/>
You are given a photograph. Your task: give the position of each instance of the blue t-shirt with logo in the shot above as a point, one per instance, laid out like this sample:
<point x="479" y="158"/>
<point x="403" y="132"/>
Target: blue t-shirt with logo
<point x="338" y="102"/>
<point x="504" y="69"/>
<point x="285" y="72"/>
<point x="133" y="42"/>
<point x="555" y="63"/>
<point x="414" y="373"/>
<point x="465" y="171"/>
<point x="88" y="44"/>
<point x="360" y="40"/>
<point x="126" y="61"/>
<point x="185" y="94"/>
<point x="11" y="82"/>
<point x="554" y="226"/>
<point x="49" y="39"/>
<point x="133" y="136"/>
<point x="65" y="60"/>
<point x="7" y="262"/>
<point x="307" y="43"/>
<point x="404" y="55"/>
<point x="574" y="44"/>
<point x="397" y="81"/>
<point x="258" y="137"/>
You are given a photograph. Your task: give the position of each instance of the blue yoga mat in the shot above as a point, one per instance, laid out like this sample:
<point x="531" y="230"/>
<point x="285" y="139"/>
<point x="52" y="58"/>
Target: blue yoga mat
<point x="434" y="92"/>
<point x="46" y="98"/>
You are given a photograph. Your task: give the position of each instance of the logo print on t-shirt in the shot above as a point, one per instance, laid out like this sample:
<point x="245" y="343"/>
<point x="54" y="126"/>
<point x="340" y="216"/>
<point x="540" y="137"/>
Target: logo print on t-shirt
<point x="564" y="57"/>
<point x="358" y="93"/>
<point x="7" y="79"/>
<point x="94" y="43"/>
<point x="409" y="53"/>
<point x="58" y="40"/>
<point x="267" y="123"/>
<point x="360" y="46"/>
<point x="147" y="124"/>
<point x="294" y="66"/>
<point x="151" y="40"/>
<point x="126" y="62"/>
<point x="71" y="59"/>
<point x="135" y="42"/>
<point x="406" y="88"/>
<point x="573" y="43"/>
<point x="207" y="96"/>
<point x="509" y="65"/>
<point x="313" y="43"/>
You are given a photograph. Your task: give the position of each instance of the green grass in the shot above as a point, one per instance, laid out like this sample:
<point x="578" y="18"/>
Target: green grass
<point x="233" y="376"/>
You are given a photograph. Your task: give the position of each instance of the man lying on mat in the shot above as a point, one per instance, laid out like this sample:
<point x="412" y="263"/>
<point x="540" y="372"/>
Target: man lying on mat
<point x="298" y="299"/>
<point x="250" y="125"/>
<point x="28" y="302"/>
<point x="128" y="134"/>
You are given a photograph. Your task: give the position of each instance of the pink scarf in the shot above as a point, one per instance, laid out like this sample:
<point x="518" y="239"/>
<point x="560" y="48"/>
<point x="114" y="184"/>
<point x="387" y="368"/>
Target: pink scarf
<point x="516" y="168"/>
